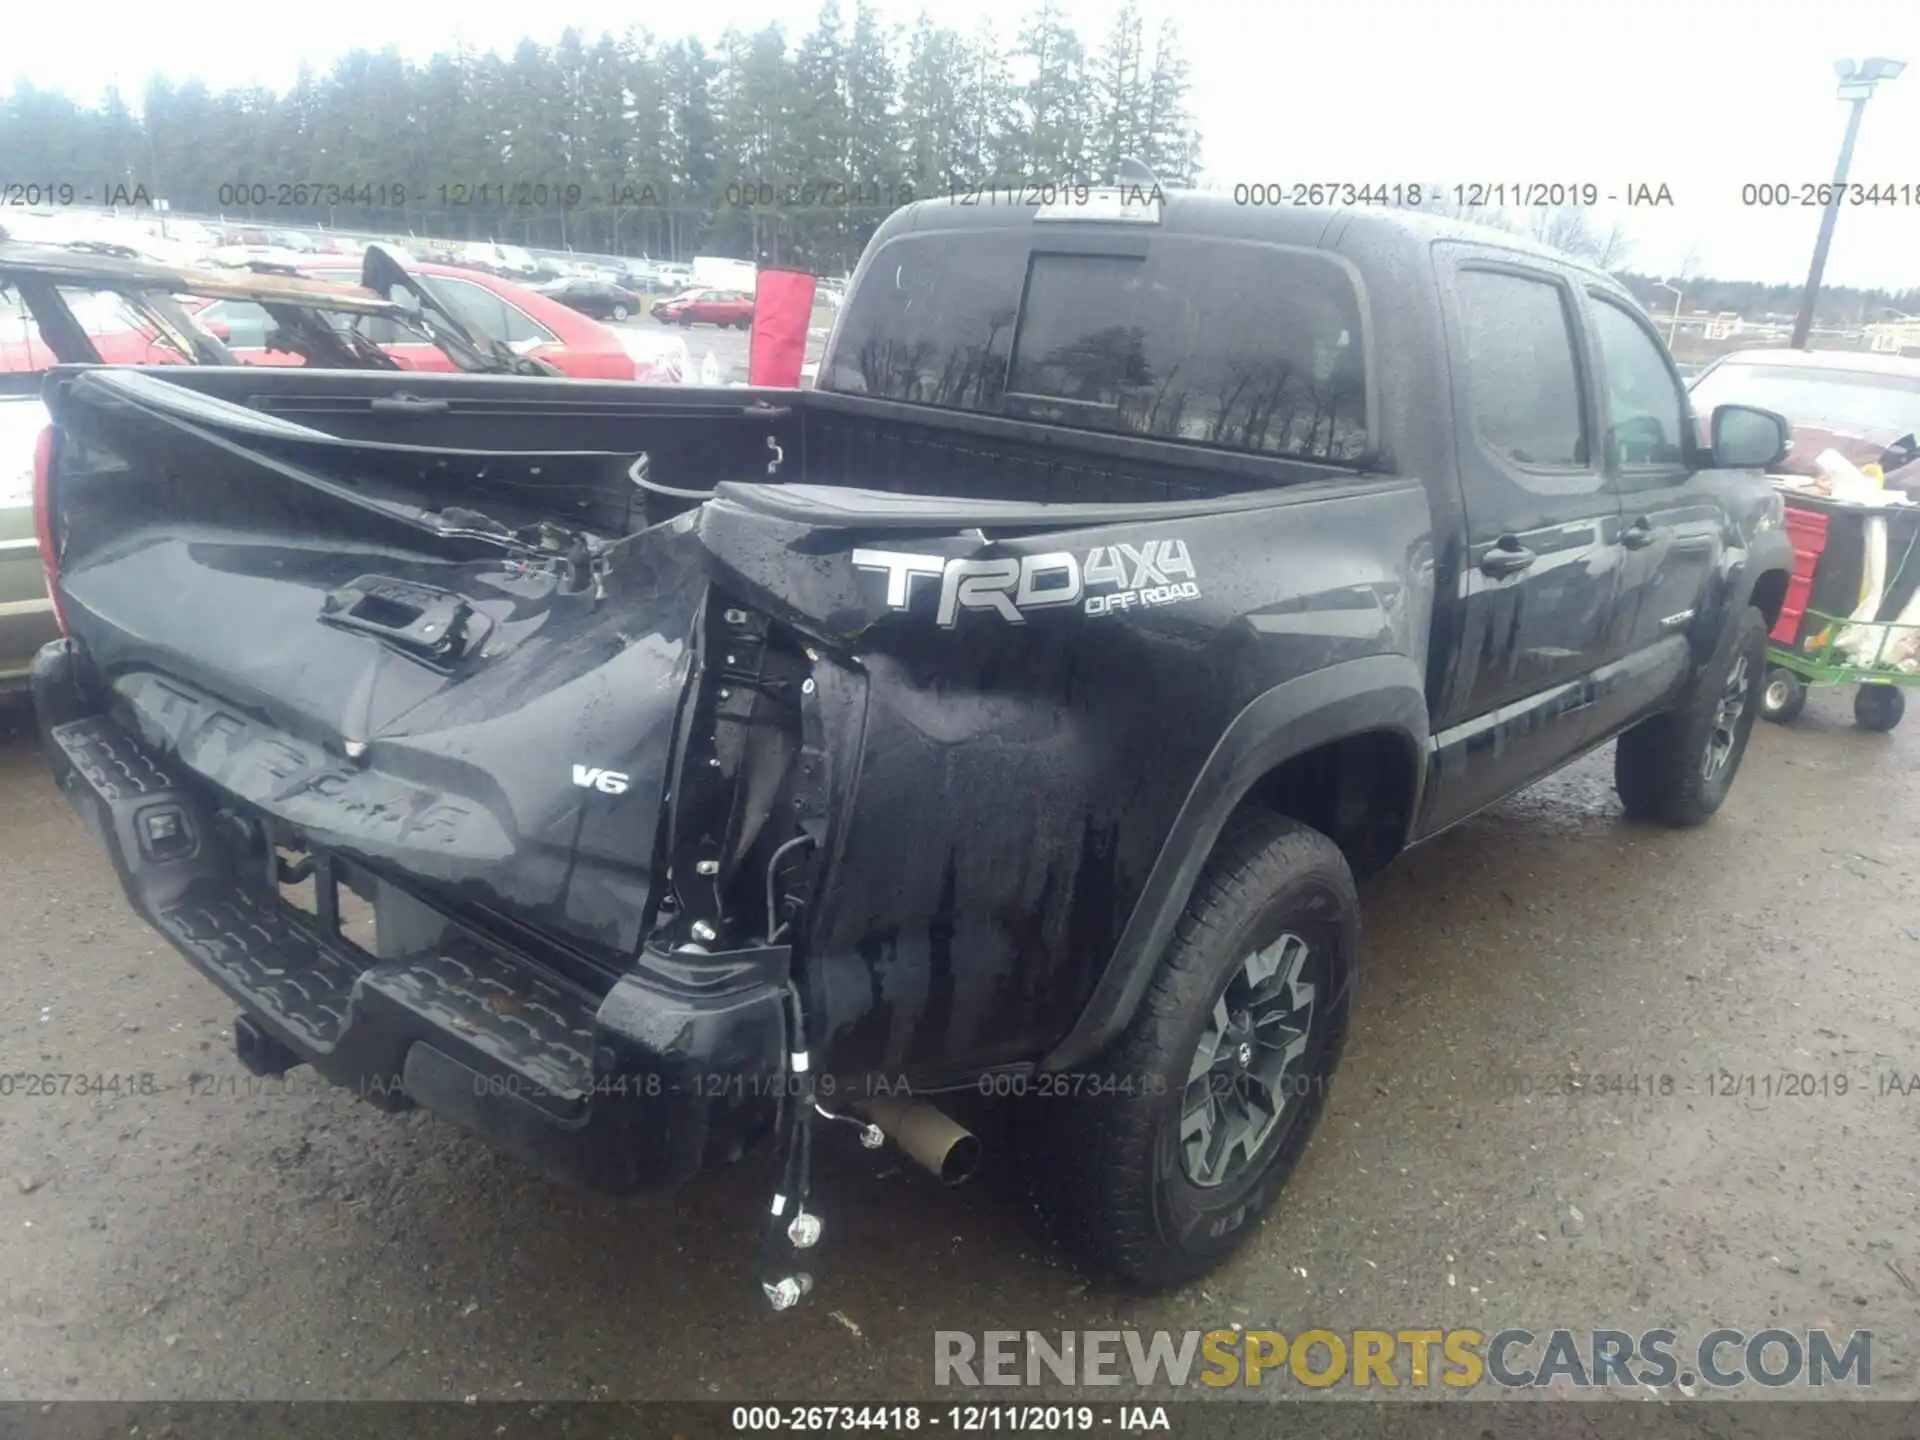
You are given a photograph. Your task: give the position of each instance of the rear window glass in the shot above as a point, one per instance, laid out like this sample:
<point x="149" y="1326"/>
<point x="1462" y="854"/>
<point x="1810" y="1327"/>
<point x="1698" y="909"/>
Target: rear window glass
<point x="1216" y="342"/>
<point x="485" y="313"/>
<point x="116" y="329"/>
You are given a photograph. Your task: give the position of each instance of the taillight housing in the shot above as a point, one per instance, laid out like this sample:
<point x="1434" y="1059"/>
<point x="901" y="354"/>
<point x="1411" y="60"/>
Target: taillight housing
<point x="43" y="521"/>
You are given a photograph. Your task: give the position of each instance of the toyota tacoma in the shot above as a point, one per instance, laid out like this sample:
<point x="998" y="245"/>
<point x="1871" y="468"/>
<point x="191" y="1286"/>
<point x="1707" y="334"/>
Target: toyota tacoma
<point x="640" y="777"/>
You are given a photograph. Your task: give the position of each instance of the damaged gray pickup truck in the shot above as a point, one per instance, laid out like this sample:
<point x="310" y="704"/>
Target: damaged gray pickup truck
<point x="1009" y="714"/>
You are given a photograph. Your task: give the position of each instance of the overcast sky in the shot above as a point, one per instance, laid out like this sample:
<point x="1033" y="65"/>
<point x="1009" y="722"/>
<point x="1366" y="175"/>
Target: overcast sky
<point x="1702" y="97"/>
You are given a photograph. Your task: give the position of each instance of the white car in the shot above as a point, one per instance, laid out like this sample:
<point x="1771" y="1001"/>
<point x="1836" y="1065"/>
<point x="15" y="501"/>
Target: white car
<point x="672" y="362"/>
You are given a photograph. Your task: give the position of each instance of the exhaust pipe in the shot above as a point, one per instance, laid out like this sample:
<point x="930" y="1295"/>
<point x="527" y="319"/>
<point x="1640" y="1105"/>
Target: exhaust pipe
<point x="927" y="1136"/>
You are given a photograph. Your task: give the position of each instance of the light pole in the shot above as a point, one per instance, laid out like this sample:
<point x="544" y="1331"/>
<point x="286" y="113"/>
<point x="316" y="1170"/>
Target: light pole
<point x="1856" y="85"/>
<point x="1673" y="325"/>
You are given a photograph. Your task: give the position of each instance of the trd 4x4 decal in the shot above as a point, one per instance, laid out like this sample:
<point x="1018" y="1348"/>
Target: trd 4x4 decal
<point x="1110" y="579"/>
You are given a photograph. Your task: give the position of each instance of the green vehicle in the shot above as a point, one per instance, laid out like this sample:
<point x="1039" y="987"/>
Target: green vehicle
<point x="26" y="614"/>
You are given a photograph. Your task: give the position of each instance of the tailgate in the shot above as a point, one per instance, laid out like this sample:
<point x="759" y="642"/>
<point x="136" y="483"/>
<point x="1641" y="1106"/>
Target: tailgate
<point x="266" y="605"/>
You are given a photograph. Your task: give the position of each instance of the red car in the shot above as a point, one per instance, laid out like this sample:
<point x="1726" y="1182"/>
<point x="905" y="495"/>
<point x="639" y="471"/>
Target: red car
<point x="725" y="308"/>
<point x="491" y="308"/>
<point x="119" y="336"/>
<point x="488" y="306"/>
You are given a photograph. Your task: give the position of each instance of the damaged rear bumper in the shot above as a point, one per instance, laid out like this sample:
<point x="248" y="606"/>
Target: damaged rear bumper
<point x="669" y="1072"/>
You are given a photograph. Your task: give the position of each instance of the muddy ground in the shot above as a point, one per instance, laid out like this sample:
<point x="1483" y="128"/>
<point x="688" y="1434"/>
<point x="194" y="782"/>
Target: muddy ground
<point x="204" y="1241"/>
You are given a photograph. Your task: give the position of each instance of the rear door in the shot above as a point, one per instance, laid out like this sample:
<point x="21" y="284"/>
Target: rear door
<point x="1541" y="585"/>
<point x="485" y="311"/>
<point x="408" y="350"/>
<point x="1672" y="523"/>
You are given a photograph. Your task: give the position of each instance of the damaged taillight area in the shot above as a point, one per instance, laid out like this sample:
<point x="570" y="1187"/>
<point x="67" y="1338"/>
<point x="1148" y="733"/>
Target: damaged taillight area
<point x="43" y="521"/>
<point x="749" y="808"/>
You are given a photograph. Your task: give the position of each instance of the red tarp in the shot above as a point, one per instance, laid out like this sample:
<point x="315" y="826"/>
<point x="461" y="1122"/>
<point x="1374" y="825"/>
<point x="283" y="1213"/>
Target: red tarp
<point x="782" y="307"/>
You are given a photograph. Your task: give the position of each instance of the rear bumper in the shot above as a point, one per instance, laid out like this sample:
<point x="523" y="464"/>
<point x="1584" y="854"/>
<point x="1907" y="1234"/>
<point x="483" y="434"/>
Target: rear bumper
<point x="669" y="1073"/>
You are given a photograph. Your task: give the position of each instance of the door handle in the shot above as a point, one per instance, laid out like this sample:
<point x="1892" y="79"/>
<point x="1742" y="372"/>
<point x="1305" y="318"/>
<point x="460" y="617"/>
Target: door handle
<point x="1638" y="534"/>
<point x="1507" y="557"/>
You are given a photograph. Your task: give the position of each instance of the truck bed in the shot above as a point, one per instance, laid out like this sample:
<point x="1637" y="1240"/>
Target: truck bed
<point x="262" y="570"/>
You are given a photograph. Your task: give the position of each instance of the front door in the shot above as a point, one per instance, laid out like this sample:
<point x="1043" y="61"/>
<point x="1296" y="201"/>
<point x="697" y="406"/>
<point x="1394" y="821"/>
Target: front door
<point x="1542" y="568"/>
<point x="1672" y="523"/>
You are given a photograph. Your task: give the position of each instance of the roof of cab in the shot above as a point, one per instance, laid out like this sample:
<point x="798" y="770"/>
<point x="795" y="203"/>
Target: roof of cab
<point x="1205" y="212"/>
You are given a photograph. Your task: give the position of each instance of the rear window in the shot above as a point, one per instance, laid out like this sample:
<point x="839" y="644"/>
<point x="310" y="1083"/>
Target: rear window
<point x="486" y="314"/>
<point x="108" y="319"/>
<point x="1225" y="343"/>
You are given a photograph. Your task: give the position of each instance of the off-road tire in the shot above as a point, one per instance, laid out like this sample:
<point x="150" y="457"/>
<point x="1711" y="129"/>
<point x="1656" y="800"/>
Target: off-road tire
<point x="1117" y="1173"/>
<point x="1878" y="707"/>
<point x="1658" y="766"/>
<point x="1784" y="698"/>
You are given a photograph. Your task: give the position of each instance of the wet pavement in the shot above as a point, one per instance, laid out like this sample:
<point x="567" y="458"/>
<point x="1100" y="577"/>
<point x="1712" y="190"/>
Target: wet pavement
<point x="1528" y="1129"/>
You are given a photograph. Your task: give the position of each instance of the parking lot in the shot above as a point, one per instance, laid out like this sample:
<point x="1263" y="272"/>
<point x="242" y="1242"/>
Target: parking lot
<point x="729" y="348"/>
<point x="1526" y="1131"/>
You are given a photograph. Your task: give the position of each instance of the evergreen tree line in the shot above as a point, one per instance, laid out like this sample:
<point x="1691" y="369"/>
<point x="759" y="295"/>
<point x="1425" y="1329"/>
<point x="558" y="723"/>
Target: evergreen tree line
<point x="634" y="144"/>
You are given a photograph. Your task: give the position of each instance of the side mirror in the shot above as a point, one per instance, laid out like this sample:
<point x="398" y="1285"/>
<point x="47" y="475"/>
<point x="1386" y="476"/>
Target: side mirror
<point x="1747" y="438"/>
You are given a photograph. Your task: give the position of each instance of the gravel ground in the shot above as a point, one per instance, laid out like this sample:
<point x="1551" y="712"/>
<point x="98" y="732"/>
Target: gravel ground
<point x="205" y="1241"/>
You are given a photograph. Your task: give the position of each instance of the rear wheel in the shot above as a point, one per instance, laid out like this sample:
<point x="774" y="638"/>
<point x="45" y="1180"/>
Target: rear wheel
<point x="1185" y="1132"/>
<point x="1784" y="697"/>
<point x="1677" y="767"/>
<point x="1878" y="707"/>
<point x="620" y="312"/>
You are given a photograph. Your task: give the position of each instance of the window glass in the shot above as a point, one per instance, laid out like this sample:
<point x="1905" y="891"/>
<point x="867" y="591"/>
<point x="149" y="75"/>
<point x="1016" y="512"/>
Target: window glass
<point x="1522" y="380"/>
<point x="484" y="312"/>
<point x="378" y="329"/>
<point x="1644" y="404"/>
<point x="248" y="325"/>
<point x="931" y="321"/>
<point x="101" y="312"/>
<point x="118" y="332"/>
<point x="1242" y="346"/>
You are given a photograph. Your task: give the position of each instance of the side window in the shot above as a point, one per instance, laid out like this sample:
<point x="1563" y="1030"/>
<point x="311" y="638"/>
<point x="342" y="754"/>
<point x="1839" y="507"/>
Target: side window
<point x="379" y="330"/>
<point x="484" y="312"/>
<point x="1644" y="405"/>
<point x="248" y="325"/>
<point x="1523" y="382"/>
